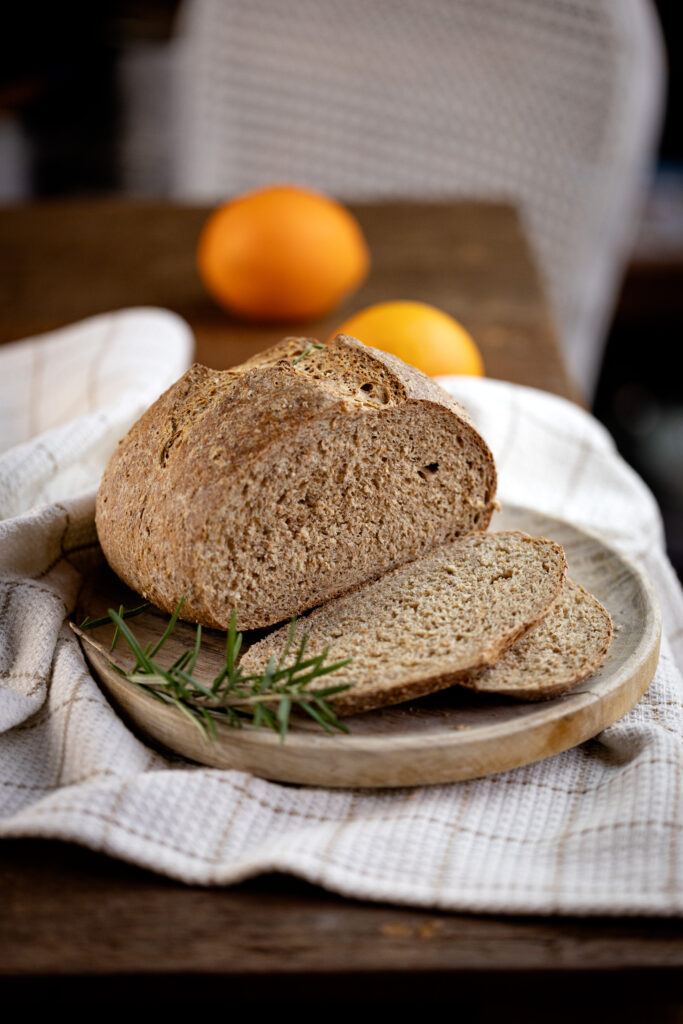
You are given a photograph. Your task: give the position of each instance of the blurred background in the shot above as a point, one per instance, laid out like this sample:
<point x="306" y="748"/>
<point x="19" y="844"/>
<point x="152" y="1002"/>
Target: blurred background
<point x="570" y="109"/>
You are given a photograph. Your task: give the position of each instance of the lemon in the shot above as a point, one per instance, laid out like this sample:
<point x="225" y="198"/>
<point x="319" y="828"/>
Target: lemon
<point x="419" y="334"/>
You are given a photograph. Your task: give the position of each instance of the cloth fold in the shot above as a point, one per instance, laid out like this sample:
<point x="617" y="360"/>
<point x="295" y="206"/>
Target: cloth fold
<point x="595" y="830"/>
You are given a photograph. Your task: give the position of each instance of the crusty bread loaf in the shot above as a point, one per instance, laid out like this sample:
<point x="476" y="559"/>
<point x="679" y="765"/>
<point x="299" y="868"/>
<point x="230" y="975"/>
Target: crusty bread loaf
<point x="419" y="628"/>
<point x="280" y="484"/>
<point x="567" y="646"/>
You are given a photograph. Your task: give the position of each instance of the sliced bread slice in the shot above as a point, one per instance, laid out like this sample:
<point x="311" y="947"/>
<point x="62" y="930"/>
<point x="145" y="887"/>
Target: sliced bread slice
<point x="281" y="483"/>
<point x="567" y="646"/>
<point x="420" y="627"/>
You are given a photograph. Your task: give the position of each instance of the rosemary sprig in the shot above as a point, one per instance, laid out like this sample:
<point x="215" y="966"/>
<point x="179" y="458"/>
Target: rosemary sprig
<point x="236" y="698"/>
<point x="305" y="352"/>
<point x="89" y="623"/>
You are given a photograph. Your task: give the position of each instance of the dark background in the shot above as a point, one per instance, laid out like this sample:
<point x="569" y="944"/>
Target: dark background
<point x="58" y="77"/>
<point x="640" y="394"/>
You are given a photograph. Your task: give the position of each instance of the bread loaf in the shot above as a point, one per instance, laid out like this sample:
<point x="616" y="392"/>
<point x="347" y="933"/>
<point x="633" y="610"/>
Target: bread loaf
<point x="566" y="647"/>
<point x="279" y="484"/>
<point x="421" y="627"/>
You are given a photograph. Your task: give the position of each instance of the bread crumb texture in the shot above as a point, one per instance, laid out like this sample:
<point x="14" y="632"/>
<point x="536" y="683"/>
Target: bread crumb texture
<point x="569" y="645"/>
<point x="423" y="626"/>
<point x="284" y="482"/>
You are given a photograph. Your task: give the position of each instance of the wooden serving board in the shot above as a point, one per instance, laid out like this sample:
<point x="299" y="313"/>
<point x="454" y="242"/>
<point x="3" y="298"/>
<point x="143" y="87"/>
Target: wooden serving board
<point x="452" y="735"/>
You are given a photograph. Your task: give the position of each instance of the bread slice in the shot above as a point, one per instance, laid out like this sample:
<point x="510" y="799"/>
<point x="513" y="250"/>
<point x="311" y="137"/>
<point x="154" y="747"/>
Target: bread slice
<point x="567" y="646"/>
<point x="279" y="484"/>
<point x="419" y="628"/>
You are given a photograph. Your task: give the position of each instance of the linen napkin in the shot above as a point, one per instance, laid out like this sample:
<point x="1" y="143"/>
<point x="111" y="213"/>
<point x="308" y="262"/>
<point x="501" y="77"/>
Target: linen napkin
<point x="595" y="830"/>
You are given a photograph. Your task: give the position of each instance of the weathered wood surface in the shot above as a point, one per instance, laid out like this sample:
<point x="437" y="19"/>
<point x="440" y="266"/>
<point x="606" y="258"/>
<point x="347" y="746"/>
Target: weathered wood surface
<point x="78" y="927"/>
<point x="60" y="262"/>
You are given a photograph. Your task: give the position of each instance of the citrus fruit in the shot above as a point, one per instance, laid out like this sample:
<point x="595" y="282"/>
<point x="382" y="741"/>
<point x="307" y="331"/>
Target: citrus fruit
<point x="281" y="253"/>
<point x="419" y="334"/>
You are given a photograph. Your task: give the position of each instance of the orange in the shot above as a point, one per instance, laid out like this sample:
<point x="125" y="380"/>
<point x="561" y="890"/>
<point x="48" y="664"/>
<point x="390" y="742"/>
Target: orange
<point x="281" y="253"/>
<point x="418" y="334"/>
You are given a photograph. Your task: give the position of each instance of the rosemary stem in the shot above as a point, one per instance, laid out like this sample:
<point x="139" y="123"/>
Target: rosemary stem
<point x="263" y="700"/>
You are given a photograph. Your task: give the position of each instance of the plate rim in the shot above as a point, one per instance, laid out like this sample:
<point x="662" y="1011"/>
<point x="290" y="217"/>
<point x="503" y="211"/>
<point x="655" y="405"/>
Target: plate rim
<point x="543" y="714"/>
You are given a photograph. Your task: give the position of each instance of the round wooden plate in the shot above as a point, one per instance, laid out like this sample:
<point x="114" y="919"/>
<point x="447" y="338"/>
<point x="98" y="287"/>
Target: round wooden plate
<point x="452" y="735"/>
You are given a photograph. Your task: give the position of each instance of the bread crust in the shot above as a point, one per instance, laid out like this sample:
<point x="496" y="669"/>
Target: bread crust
<point x="383" y="691"/>
<point x="524" y="673"/>
<point x="172" y="486"/>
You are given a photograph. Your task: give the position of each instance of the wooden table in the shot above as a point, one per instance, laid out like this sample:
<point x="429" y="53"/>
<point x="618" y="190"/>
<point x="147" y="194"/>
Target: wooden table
<point x="75" y="926"/>
<point x="61" y="262"/>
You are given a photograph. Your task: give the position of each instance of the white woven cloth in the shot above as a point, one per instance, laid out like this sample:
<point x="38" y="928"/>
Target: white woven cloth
<point x="596" y="830"/>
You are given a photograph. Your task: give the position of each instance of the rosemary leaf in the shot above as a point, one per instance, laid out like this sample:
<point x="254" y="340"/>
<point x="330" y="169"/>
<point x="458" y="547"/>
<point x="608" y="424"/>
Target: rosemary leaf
<point x="305" y="352"/>
<point x="233" y="642"/>
<point x="210" y="724"/>
<point x="181" y="661"/>
<point x="169" y="629"/>
<point x="142" y="659"/>
<point x="266" y="680"/>
<point x="283" y="716"/>
<point x="194" y="684"/>
<point x="89" y="623"/>
<point x="192" y="715"/>
<point x="288" y="643"/>
<point x="320" y="719"/>
<point x="116" y="633"/>
<point x="269" y="718"/>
